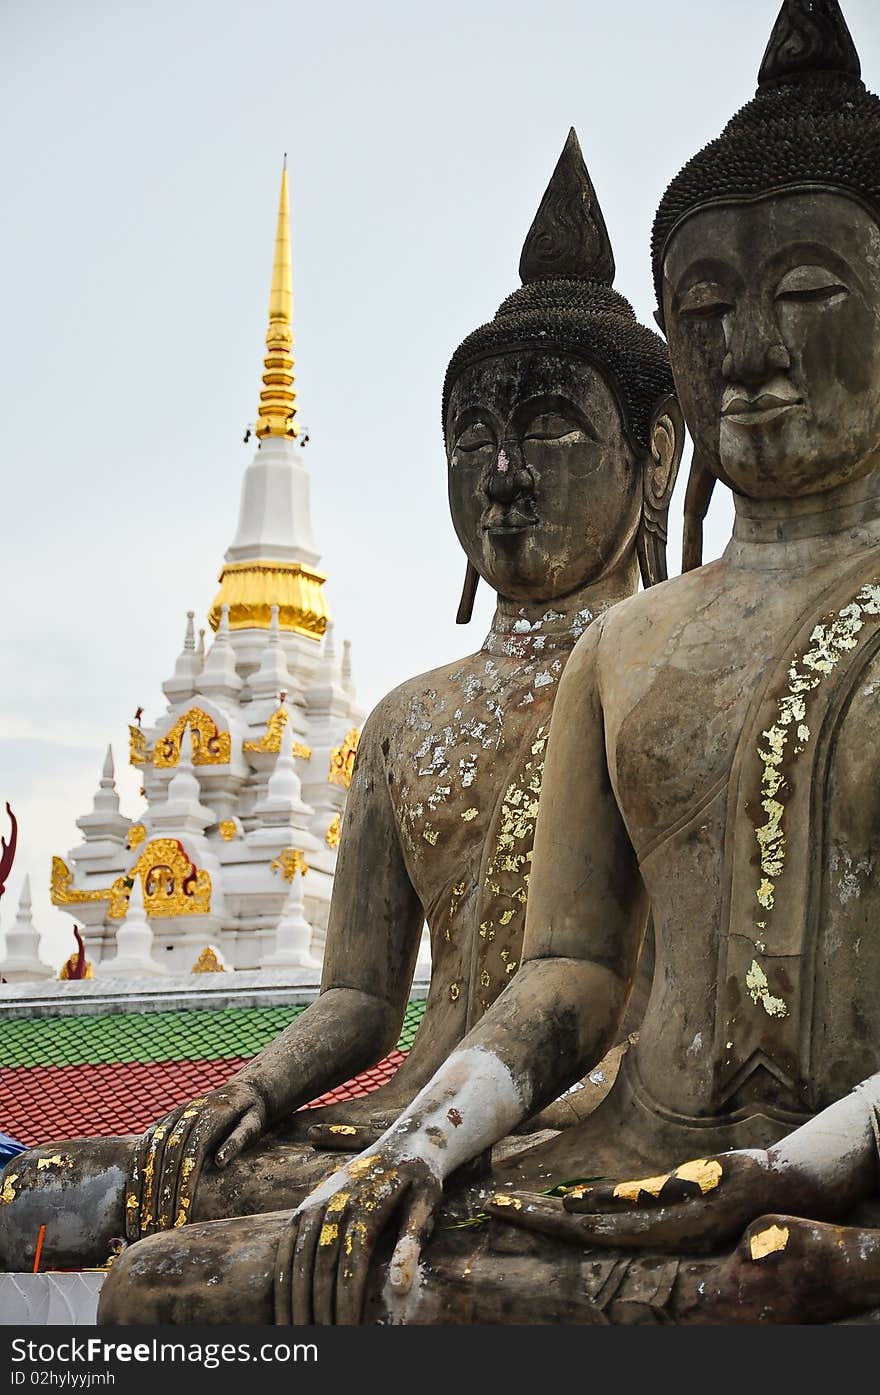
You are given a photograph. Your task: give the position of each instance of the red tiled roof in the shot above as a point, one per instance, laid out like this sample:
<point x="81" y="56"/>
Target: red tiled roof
<point x="76" y="1077"/>
<point x="44" y="1104"/>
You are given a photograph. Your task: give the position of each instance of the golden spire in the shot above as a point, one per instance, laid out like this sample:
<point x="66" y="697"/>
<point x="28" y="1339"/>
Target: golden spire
<point x="278" y="397"/>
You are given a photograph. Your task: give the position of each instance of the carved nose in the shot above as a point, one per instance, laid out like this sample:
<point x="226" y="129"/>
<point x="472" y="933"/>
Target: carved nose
<point x="755" y="351"/>
<point x="509" y="476"/>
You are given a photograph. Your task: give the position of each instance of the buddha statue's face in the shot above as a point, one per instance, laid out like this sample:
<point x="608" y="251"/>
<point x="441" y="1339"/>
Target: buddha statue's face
<point x="772" y="315"/>
<point x="544" y="488"/>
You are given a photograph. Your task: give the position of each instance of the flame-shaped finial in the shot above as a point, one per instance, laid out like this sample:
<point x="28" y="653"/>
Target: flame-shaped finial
<point x="278" y="397"/>
<point x="810" y="36"/>
<point x="568" y="237"/>
<point x="7" y="850"/>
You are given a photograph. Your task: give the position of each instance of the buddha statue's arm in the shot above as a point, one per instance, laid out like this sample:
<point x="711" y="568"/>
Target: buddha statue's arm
<point x="585" y="922"/>
<point x="372" y="943"/>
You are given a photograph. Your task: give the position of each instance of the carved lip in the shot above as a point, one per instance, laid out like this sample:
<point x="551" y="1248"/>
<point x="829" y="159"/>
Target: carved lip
<point x="740" y="409"/>
<point x="498" y="524"/>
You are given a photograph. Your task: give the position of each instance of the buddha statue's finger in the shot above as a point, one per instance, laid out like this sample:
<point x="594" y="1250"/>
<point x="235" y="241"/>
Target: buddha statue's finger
<point x="309" y="1224"/>
<point x="693" y="1226"/>
<point x="530" y="1211"/>
<point x="151" y="1172"/>
<point x="327" y="1256"/>
<point x="692" y="1179"/>
<point x="368" y="1216"/>
<point x="342" y="1138"/>
<point x="246" y="1131"/>
<point x="134" y="1186"/>
<point x="204" y="1135"/>
<point x="283" y="1277"/>
<point x="418" y="1223"/>
<point x="176" y="1141"/>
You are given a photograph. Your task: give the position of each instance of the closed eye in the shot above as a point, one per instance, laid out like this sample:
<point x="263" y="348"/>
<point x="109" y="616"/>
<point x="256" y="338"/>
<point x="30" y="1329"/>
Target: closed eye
<point x="551" y="426"/>
<point x="475" y="437"/>
<point x="704" y="301"/>
<point x="804" y="284"/>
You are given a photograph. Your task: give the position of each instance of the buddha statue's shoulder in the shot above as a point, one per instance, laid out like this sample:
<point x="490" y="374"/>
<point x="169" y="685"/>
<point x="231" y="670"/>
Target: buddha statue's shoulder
<point x="646" y="624"/>
<point x="429" y="692"/>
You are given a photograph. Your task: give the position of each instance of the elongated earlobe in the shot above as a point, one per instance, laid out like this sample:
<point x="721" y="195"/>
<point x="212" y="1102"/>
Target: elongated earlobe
<point x="468" y="593"/>
<point x="701" y="483"/>
<point x="667" y="444"/>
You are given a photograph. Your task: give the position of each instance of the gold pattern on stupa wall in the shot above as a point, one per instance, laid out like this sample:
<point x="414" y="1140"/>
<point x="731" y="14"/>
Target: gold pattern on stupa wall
<point x="208" y="962"/>
<point x="172" y="885"/>
<point x="210" y="745"/>
<point x="250" y="589"/>
<point x="334" y="831"/>
<point x="342" y="760"/>
<point x="137" y="746"/>
<point x="135" y="836"/>
<point x="228" y="829"/>
<point x="289" y="862"/>
<point x="271" y="741"/>
<point x="62" y="893"/>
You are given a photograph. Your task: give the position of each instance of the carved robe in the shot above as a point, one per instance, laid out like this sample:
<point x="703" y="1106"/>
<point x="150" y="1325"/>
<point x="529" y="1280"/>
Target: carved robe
<point x="747" y="782"/>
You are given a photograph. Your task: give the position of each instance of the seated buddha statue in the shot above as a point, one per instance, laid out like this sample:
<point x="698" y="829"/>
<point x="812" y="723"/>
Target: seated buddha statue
<point x="713" y="751"/>
<point x="562" y="445"/>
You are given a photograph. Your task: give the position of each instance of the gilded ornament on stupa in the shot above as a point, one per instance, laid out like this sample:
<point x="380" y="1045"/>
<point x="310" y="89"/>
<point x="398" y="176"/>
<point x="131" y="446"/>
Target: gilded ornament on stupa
<point x="270" y="742"/>
<point x="342" y="760"/>
<point x="209" y="962"/>
<point x="334" y="831"/>
<point x="289" y="862"/>
<point x="136" y="835"/>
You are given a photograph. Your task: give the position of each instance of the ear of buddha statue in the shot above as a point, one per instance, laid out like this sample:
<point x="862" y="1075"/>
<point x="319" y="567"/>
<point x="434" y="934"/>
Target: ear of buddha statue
<point x="667" y="444"/>
<point x="567" y="302"/>
<point x="700" y="485"/>
<point x="468" y="595"/>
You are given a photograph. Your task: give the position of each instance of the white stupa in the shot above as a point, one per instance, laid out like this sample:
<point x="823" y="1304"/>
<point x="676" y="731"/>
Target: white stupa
<point x="22" y="961"/>
<point x="245" y="773"/>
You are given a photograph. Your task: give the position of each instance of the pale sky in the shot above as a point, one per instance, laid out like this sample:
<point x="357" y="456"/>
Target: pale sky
<point x="141" y="151"/>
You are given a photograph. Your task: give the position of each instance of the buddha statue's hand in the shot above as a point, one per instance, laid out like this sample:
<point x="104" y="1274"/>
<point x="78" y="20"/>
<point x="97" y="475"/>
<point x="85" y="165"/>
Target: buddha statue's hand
<point x="170" y="1156"/>
<point x="323" y="1260"/>
<point x="691" y="1208"/>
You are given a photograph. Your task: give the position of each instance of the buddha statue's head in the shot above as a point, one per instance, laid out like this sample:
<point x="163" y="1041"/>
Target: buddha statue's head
<point x="767" y="266"/>
<point x="563" y="438"/>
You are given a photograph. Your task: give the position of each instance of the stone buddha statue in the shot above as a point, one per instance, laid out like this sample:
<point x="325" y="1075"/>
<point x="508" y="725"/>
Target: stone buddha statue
<point x="713" y="751"/>
<point x="562" y="445"/>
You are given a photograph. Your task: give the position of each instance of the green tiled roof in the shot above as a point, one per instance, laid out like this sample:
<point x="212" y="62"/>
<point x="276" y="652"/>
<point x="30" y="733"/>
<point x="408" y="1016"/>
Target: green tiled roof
<point x="196" y="1034"/>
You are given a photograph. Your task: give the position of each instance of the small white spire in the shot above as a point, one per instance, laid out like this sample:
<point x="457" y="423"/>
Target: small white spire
<point x="182" y="813"/>
<point x="219" y="677"/>
<point x="134" y="941"/>
<point x="200" y="652"/>
<point x="347" y="680"/>
<point x="183" y="787"/>
<point x="293" y="934"/>
<point x="273" y="675"/>
<point x="22" y="962"/>
<point x="105" y="820"/>
<point x="182" y="683"/>
<point x="326" y="695"/>
<point x="284" y="783"/>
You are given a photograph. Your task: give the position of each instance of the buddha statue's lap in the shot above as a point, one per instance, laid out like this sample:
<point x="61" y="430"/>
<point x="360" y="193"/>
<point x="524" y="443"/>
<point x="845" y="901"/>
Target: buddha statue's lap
<point x="562" y="454"/>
